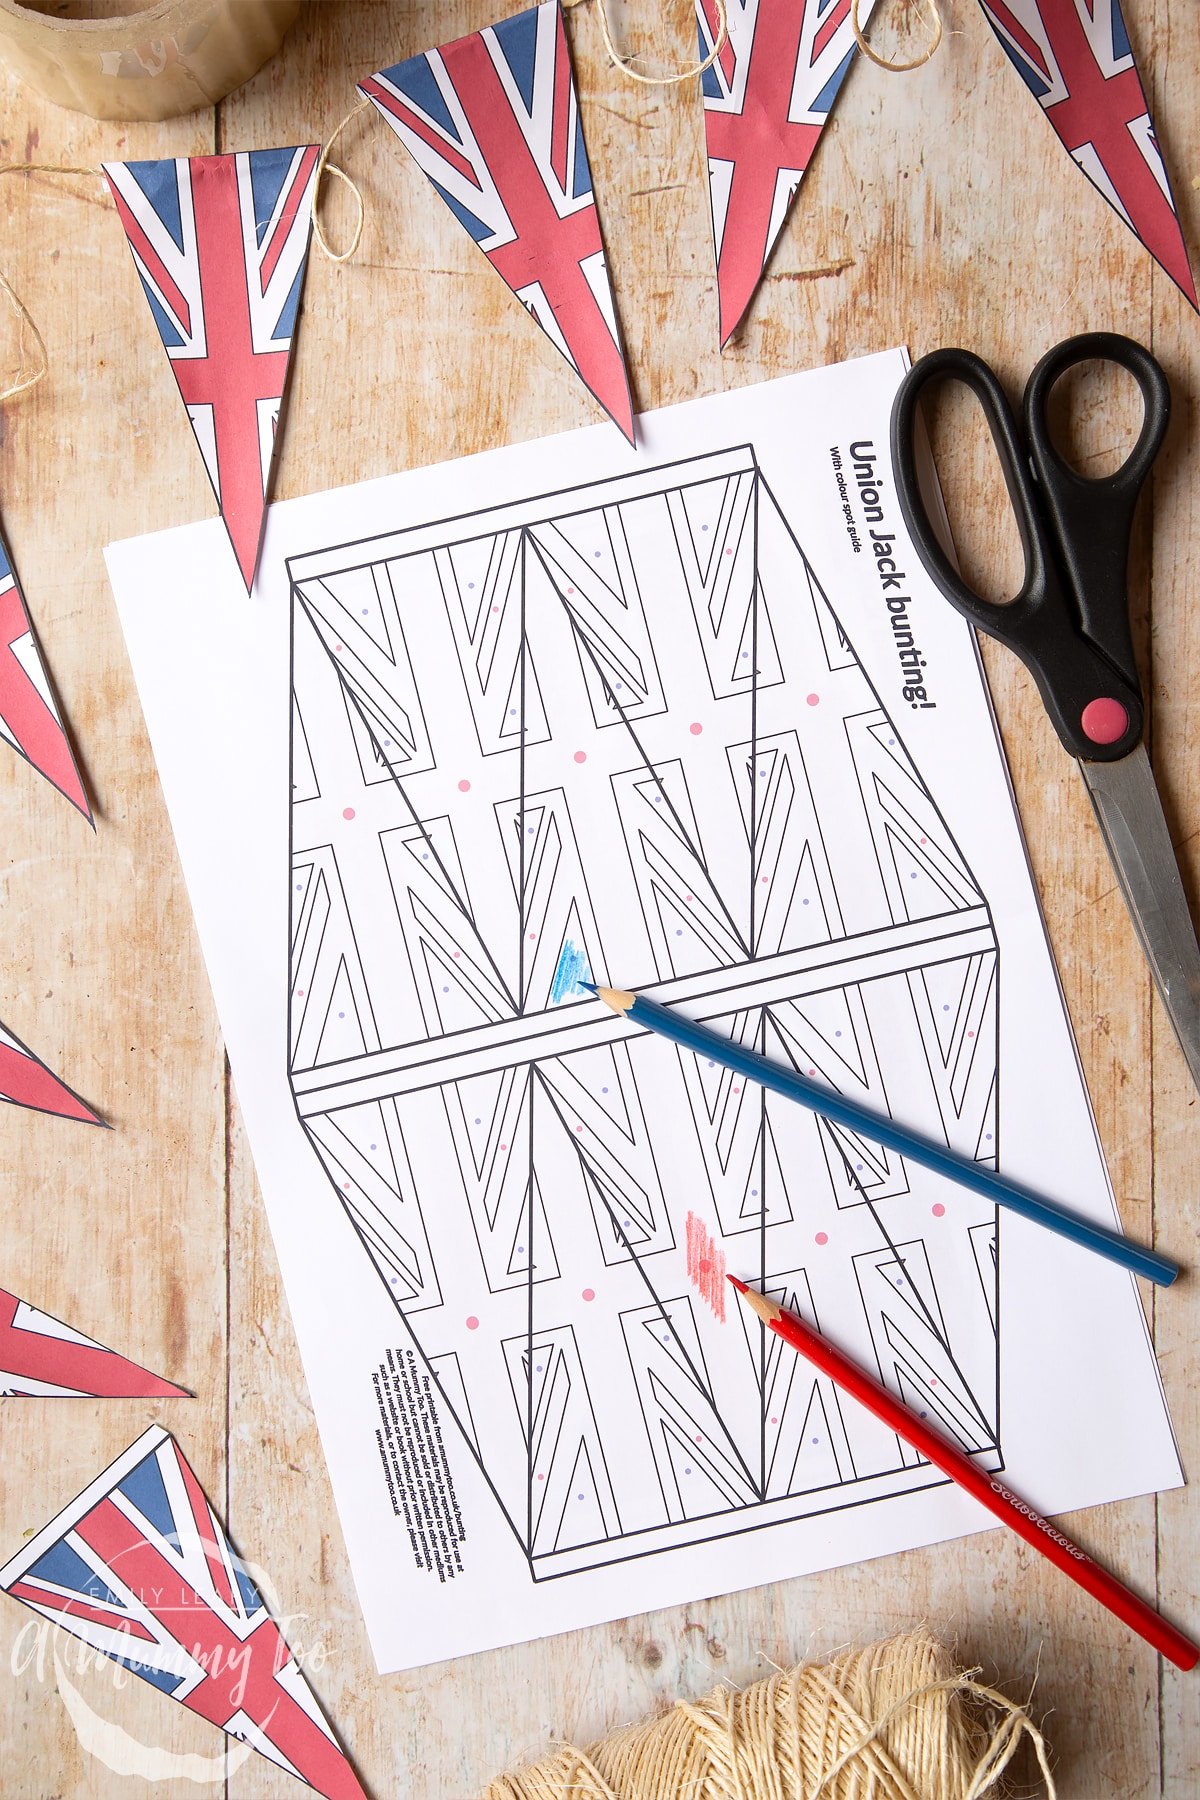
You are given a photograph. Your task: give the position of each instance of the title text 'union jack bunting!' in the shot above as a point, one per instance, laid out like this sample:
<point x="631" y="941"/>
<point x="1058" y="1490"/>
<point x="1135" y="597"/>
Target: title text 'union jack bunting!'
<point x="1074" y="56"/>
<point x="29" y="715"/>
<point x="139" y="1568"/>
<point x="221" y="245"/>
<point x="766" y="100"/>
<point x="493" y="120"/>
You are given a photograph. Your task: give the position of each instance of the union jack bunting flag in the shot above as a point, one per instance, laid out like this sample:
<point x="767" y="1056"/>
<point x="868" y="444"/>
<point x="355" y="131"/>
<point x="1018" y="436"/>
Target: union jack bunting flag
<point x="766" y="100"/>
<point x="1075" y="58"/>
<point x="40" y="1355"/>
<point x="221" y="245"/>
<point x="29" y="715"/>
<point x="140" y="1569"/>
<point x="26" y="1081"/>
<point x="493" y="120"/>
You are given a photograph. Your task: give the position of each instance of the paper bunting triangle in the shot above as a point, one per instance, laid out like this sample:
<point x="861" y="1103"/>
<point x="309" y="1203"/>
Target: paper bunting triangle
<point x="26" y="1081"/>
<point x="1074" y="57"/>
<point x="29" y="715"/>
<point x="139" y="1568"/>
<point x="221" y="245"/>
<point x="493" y="120"/>
<point x="766" y="100"/>
<point x="40" y="1355"/>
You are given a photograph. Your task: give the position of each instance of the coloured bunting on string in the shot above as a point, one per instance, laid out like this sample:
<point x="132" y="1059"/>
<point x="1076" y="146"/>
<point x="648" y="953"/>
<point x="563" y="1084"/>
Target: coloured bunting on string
<point x="139" y="1568"/>
<point x="493" y="120"/>
<point x="766" y="100"/>
<point x="29" y="715"/>
<point x="39" y="1355"/>
<point x="26" y="1081"/>
<point x="1075" y="58"/>
<point x="221" y="245"/>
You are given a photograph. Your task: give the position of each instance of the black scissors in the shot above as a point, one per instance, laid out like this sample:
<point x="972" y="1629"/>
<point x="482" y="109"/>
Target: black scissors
<point x="1069" y="622"/>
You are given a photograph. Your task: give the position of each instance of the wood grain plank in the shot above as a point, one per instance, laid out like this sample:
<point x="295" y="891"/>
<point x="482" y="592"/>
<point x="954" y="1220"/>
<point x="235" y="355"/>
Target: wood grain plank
<point x="958" y="219"/>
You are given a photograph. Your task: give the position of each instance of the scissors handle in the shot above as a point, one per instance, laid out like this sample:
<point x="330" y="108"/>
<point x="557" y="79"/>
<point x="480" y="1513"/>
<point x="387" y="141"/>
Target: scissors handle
<point x="1069" y="620"/>
<point x="1092" y="516"/>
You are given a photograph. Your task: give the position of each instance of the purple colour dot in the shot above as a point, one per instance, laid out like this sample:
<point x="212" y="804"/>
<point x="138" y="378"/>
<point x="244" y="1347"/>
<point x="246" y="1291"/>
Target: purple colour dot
<point x="374" y="1146"/>
<point x="364" y="612"/>
<point x="891" y="740"/>
<point x="477" y="1121"/>
<point x="299" y="887"/>
<point x="704" y="528"/>
<point x="424" y="856"/>
<point x="945" y="1009"/>
<point x="520" y="1249"/>
<point x="754" y="1193"/>
<point x="816" y="1440"/>
<point x="605" y="1090"/>
<point x="912" y="875"/>
<point x="806" y="903"/>
<point x="688" y="1469"/>
<point x="595" y="552"/>
<point x="837" y="1034"/>
<point x="393" y="1281"/>
<point x="988" y="1135"/>
<point x="539" y="1369"/>
<point x="512" y="712"/>
<point x="580" y="1496"/>
<point x="341" y="1015"/>
<point x="678" y="933"/>
<point x="445" y="990"/>
<point x="745" y="654"/>
<point x="470" y="584"/>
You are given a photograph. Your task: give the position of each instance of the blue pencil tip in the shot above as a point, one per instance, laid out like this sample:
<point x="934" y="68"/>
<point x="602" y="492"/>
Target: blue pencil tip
<point x="590" y="986"/>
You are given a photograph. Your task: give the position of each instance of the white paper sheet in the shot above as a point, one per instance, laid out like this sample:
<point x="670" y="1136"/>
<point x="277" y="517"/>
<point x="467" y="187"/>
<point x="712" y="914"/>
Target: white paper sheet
<point x="692" y="719"/>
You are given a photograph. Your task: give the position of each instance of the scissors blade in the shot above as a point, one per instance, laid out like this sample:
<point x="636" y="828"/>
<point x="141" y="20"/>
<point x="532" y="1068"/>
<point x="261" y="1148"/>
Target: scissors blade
<point x="1129" y="810"/>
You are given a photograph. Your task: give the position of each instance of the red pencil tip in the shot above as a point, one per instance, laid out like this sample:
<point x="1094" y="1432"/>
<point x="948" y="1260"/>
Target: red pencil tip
<point x="742" y="1287"/>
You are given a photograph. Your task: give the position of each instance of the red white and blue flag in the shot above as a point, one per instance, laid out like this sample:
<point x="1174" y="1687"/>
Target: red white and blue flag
<point x="493" y="120"/>
<point x="766" y="99"/>
<point x="221" y="245"/>
<point x="26" y="1081"/>
<point x="29" y="715"/>
<point x="1075" y="58"/>
<point x="39" y="1355"/>
<point x="139" y="1568"/>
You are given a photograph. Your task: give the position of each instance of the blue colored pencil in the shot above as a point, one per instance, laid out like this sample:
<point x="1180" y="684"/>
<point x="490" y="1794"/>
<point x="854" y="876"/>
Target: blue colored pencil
<point x="665" y="1022"/>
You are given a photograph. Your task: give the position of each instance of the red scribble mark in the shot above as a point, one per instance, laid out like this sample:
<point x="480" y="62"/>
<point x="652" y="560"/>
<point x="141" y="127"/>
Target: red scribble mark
<point x="706" y="1265"/>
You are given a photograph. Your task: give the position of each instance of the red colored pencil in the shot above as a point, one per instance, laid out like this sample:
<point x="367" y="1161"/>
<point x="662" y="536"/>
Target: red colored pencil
<point x="980" y="1482"/>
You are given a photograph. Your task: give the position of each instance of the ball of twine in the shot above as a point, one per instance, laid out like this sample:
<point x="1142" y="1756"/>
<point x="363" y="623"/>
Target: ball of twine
<point x="896" y="1721"/>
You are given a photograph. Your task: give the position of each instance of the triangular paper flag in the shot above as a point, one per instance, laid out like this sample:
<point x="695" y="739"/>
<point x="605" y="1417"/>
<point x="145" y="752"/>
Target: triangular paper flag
<point x="221" y="246"/>
<point x="26" y="1081"/>
<point x="139" y="1568"/>
<point x="1075" y="59"/>
<point x="40" y="1355"/>
<point x="493" y="120"/>
<point x="29" y="715"/>
<point x="766" y="99"/>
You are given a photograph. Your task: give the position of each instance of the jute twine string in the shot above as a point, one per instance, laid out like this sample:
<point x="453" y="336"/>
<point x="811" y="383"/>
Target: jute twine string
<point x="898" y="68"/>
<point x="325" y="167"/>
<point x="896" y="1721"/>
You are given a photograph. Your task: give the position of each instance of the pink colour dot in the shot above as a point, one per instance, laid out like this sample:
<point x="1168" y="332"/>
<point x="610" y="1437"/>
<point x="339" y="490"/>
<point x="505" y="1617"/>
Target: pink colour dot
<point x="495" y="609"/>
<point x="699" y="1440"/>
<point x="814" y="699"/>
<point x="589" y="1293"/>
<point x="581" y="756"/>
<point x="938" y="1210"/>
<point x="347" y="812"/>
<point x="464" y="787"/>
<point x="579" y="1128"/>
<point x="737" y="1090"/>
<point x="299" y="993"/>
<point x="764" y="880"/>
<point x="472" y="1322"/>
<point x="822" y="1237"/>
<point x="345" y="1187"/>
<point x="970" y="1034"/>
<point x="695" y="729"/>
<point x="729" y="550"/>
<point x="532" y="936"/>
<point x="504" y="1146"/>
<point x="541" y="1478"/>
<point x="774" y="1421"/>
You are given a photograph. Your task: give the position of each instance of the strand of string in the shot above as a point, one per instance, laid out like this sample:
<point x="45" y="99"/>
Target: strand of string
<point x="898" y="68"/>
<point x="325" y="167"/>
<point x="625" y="62"/>
<point x="28" y="379"/>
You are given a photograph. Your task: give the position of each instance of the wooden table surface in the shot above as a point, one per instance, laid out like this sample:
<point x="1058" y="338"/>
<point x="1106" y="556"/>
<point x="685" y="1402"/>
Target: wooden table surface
<point x="939" y="209"/>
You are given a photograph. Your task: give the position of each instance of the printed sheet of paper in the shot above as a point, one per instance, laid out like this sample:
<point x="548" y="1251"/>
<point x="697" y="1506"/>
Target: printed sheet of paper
<point x="691" y="720"/>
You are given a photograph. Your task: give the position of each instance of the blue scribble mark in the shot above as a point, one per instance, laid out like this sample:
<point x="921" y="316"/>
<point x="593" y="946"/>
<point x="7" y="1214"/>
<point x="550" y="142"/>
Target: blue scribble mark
<point x="571" y="970"/>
